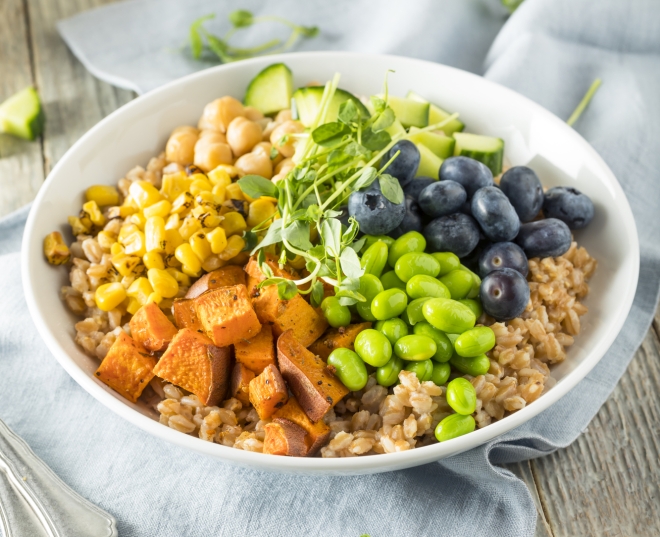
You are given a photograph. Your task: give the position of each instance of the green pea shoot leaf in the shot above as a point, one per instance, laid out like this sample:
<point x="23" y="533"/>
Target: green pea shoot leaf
<point x="297" y="234"/>
<point x="367" y="177"/>
<point x="391" y="188"/>
<point x="350" y="263"/>
<point x="256" y="186"/>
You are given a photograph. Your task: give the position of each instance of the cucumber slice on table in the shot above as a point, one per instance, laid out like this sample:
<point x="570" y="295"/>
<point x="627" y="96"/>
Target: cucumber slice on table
<point x="440" y="144"/>
<point x="408" y="112"/>
<point x="437" y="114"/>
<point x="21" y="115"/>
<point x="429" y="162"/>
<point x="308" y="102"/>
<point x="486" y="149"/>
<point x="270" y="91"/>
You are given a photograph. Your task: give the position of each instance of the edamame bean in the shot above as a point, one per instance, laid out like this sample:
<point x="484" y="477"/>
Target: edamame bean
<point x="388" y="304"/>
<point x="474" y="342"/>
<point x="414" y="311"/>
<point x="454" y="426"/>
<point x="421" y="286"/>
<point x="445" y="348"/>
<point x="449" y="316"/>
<point x="373" y="347"/>
<point x="336" y="314"/>
<point x="459" y="283"/>
<point x="371" y="239"/>
<point x="370" y="286"/>
<point x="476" y="282"/>
<point x="415" y="348"/>
<point x="389" y="373"/>
<point x="462" y="396"/>
<point x="390" y="281"/>
<point x="374" y="259"/>
<point x="474" y="305"/>
<point x="452" y="338"/>
<point x="393" y="329"/>
<point x="479" y="365"/>
<point x="414" y="263"/>
<point x="406" y="243"/>
<point x="423" y="369"/>
<point x="349" y="368"/>
<point x="440" y="373"/>
<point x="448" y="262"/>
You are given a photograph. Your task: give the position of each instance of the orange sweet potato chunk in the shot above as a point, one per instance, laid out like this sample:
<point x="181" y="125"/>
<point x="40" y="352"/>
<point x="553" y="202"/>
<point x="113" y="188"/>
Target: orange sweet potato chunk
<point x="195" y="364"/>
<point x="283" y="437"/>
<point x="185" y="315"/>
<point x="240" y="383"/>
<point x="227" y="315"/>
<point x="151" y="328"/>
<point x="127" y="368"/>
<point x="258" y="352"/>
<point x="310" y="380"/>
<point x="223" y="277"/>
<point x="336" y="338"/>
<point x="268" y="392"/>
<point x="317" y="433"/>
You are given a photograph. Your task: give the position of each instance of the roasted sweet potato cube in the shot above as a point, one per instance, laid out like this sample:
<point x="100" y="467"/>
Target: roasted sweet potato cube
<point x="258" y="352"/>
<point x="336" y="338"/>
<point x="317" y="433"/>
<point x="185" y="315"/>
<point x="195" y="364"/>
<point x="151" y="328"/>
<point x="310" y="380"/>
<point x="240" y="383"/>
<point x="268" y="392"/>
<point x="227" y="315"/>
<point x="223" y="277"/>
<point x="253" y="271"/>
<point x="283" y="437"/>
<point x="127" y="368"/>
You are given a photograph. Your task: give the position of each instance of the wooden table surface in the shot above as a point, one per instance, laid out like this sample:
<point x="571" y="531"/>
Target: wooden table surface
<point x="606" y="483"/>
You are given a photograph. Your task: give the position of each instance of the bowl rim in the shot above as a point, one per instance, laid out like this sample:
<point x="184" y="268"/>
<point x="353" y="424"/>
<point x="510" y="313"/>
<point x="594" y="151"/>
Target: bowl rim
<point x="318" y="465"/>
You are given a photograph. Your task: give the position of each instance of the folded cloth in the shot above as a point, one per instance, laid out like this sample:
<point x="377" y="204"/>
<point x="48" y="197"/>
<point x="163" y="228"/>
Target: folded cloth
<point x="549" y="50"/>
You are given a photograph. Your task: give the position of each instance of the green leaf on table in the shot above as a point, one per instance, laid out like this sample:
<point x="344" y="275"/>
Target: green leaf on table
<point x="348" y="112"/>
<point x="367" y="177"/>
<point x="375" y="141"/>
<point x="384" y="120"/>
<point x="297" y="234"/>
<point x="241" y="18"/>
<point x="317" y="294"/>
<point x="196" y="43"/>
<point x="286" y="290"/>
<point x="273" y="236"/>
<point x="350" y="263"/>
<point x="256" y="186"/>
<point x="391" y="188"/>
<point x="329" y="134"/>
<point x="331" y="236"/>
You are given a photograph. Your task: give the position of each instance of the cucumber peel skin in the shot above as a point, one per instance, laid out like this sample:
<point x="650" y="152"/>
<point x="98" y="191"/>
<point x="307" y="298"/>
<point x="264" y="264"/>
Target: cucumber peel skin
<point x="440" y="144"/>
<point x="437" y="114"/>
<point x="308" y="101"/>
<point x="408" y="112"/>
<point x="21" y="115"/>
<point x="271" y="89"/>
<point x="486" y="149"/>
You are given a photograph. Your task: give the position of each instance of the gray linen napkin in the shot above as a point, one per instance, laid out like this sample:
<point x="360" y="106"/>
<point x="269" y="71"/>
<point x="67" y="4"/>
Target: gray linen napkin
<point x="549" y="50"/>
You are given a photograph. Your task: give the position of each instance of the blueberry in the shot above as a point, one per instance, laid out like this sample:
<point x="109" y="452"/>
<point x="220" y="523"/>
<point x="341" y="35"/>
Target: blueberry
<point x="471" y="260"/>
<point x="414" y="187"/>
<point x="466" y="208"/>
<point x="504" y="294"/>
<point x="404" y="166"/>
<point x="374" y="212"/>
<point x="471" y="173"/>
<point x="442" y="198"/>
<point x="569" y="205"/>
<point x="503" y="255"/>
<point x="544" y="238"/>
<point x="411" y="222"/>
<point x="495" y="214"/>
<point x="524" y="190"/>
<point x="457" y="233"/>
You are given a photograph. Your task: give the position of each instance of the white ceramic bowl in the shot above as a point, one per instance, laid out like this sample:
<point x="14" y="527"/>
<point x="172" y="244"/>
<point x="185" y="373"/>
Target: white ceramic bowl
<point x="533" y="136"/>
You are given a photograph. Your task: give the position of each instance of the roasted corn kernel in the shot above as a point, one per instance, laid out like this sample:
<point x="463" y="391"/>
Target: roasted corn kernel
<point x="200" y="246"/>
<point x="103" y="195"/>
<point x="153" y="260"/>
<point x="234" y="223"/>
<point x="106" y="239"/>
<point x="161" y="208"/>
<point x="57" y="253"/>
<point x="78" y="227"/>
<point x="173" y="185"/>
<point x="140" y="290"/>
<point x="220" y="176"/>
<point x="234" y="246"/>
<point x="191" y="264"/>
<point x="234" y="192"/>
<point x="144" y="193"/>
<point x="172" y="239"/>
<point x="163" y="283"/>
<point x="135" y="243"/>
<point x="109" y="295"/>
<point x="213" y="262"/>
<point x="91" y="209"/>
<point x="260" y="212"/>
<point x="173" y="222"/>
<point x="189" y="226"/>
<point x="182" y="203"/>
<point x="217" y="239"/>
<point x="154" y="232"/>
<point x="183" y="279"/>
<point x="200" y="185"/>
<point x="126" y="265"/>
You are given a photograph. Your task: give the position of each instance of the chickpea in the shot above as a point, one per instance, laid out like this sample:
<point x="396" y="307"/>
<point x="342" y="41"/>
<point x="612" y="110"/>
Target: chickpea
<point x="268" y="126"/>
<point x="266" y="147"/>
<point x="243" y="135"/>
<point x="283" y="115"/>
<point x="255" y="164"/>
<point x="218" y="114"/>
<point x="285" y="166"/>
<point x="252" y="113"/>
<point x="210" y="152"/>
<point x="287" y="128"/>
<point x="180" y="147"/>
<point x="216" y="135"/>
<point x="278" y="177"/>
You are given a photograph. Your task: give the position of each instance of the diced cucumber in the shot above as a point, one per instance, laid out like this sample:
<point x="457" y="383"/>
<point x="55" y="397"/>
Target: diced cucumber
<point x="429" y="162"/>
<point x="409" y="112"/>
<point x="308" y="102"/>
<point x="21" y="115"/>
<point x="486" y="149"/>
<point x="437" y="114"/>
<point x="395" y="128"/>
<point x="441" y="145"/>
<point x="270" y="91"/>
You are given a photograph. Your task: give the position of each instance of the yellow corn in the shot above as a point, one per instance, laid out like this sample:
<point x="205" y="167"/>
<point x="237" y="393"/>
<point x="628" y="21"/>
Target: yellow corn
<point x="116" y="249"/>
<point x="234" y="192"/>
<point x="189" y="226"/>
<point x="210" y="219"/>
<point x="137" y="219"/>
<point x="172" y="222"/>
<point x="140" y="290"/>
<point x="260" y="211"/>
<point x="219" y="176"/>
<point x="163" y="283"/>
<point x="135" y="244"/>
<point x="133" y="306"/>
<point x="155" y="297"/>
<point x="91" y="209"/>
<point x="121" y="212"/>
<point x="161" y="208"/>
<point x="103" y="195"/>
<point x="78" y="227"/>
<point x="234" y="246"/>
<point x="191" y="264"/>
<point x="240" y="259"/>
<point x="144" y="193"/>
<point x="200" y="246"/>
<point x="175" y="184"/>
<point x="220" y="192"/>
<point x="218" y="239"/>
<point x="172" y="239"/>
<point x="126" y="265"/>
<point x="182" y="203"/>
<point x="298" y="262"/>
<point x="233" y="223"/>
<point x="130" y="202"/>
<point x="200" y="185"/>
<point x="183" y="279"/>
<point x="216" y="175"/>
<point x="154" y="232"/>
<point x="153" y="260"/>
<point x="56" y="252"/>
<point x="109" y="295"/>
<point x="106" y="240"/>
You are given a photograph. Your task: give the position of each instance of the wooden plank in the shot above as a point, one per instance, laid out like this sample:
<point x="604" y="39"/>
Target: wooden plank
<point x="21" y="164"/>
<point x="523" y="470"/>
